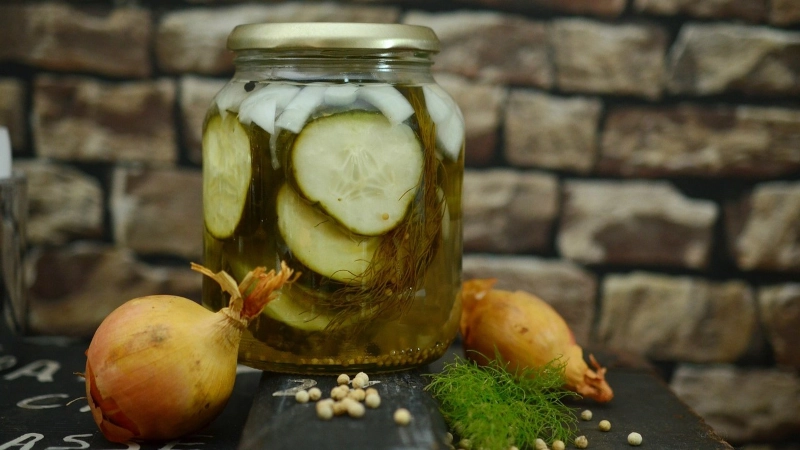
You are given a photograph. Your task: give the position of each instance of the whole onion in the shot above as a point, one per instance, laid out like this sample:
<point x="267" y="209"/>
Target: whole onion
<point x="526" y="332"/>
<point x="161" y="366"/>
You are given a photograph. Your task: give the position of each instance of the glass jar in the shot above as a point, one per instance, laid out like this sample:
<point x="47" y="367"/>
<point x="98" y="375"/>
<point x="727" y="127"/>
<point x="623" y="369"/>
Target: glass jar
<point x="333" y="149"/>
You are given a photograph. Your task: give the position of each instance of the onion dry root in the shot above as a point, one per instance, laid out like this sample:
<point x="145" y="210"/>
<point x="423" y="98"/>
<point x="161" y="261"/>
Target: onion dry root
<point x="526" y="332"/>
<point x="162" y="366"/>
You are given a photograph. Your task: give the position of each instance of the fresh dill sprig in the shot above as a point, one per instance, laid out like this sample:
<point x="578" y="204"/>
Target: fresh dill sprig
<point x="495" y="408"/>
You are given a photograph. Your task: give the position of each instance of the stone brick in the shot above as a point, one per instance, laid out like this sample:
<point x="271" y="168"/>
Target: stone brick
<point x="780" y="318"/>
<point x="12" y="111"/>
<point x="158" y="211"/>
<point x="763" y="228"/>
<point x="482" y="106"/>
<point x="194" y="40"/>
<point x="672" y="318"/>
<point x="742" y="404"/>
<point x="57" y="36"/>
<point x="77" y="286"/>
<point x="83" y="119"/>
<point x="489" y="46"/>
<point x="63" y="203"/>
<point x="195" y="96"/>
<point x="752" y="10"/>
<point x="607" y="8"/>
<point x="570" y="289"/>
<point x="635" y="223"/>
<point x="784" y="12"/>
<point x="712" y="59"/>
<point x="550" y="132"/>
<point x="509" y="212"/>
<point x="619" y="59"/>
<point x="690" y="140"/>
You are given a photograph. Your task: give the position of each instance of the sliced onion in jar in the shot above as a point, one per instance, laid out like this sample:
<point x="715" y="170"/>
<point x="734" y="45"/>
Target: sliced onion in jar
<point x="297" y="112"/>
<point x="450" y="135"/>
<point x="341" y="95"/>
<point x="436" y="101"/>
<point x="448" y="119"/>
<point x="388" y="100"/>
<point x="230" y="97"/>
<point x="263" y="106"/>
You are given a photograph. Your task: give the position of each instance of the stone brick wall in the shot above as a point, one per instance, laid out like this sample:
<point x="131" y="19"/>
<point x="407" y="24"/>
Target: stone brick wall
<point x="634" y="162"/>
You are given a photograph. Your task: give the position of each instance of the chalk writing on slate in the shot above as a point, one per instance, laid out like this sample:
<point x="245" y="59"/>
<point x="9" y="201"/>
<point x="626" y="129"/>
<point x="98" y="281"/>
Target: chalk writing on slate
<point x="42" y="404"/>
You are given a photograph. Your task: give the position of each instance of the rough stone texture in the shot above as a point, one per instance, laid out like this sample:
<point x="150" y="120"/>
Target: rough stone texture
<point x="482" y="106"/>
<point x="635" y="222"/>
<point x="76" y="287"/>
<point x="158" y="211"/>
<point x="690" y="140"/>
<point x="784" y="12"/>
<point x="607" y="8"/>
<point x="742" y="404"/>
<point x="769" y="236"/>
<point x="716" y="58"/>
<point x="492" y="47"/>
<point x="614" y="59"/>
<point x="63" y="203"/>
<point x="569" y="288"/>
<point x="551" y="132"/>
<point x="57" y="36"/>
<point x="509" y="212"/>
<point x="752" y="10"/>
<point x="83" y="119"/>
<point x="12" y="111"/>
<point x="780" y="318"/>
<point x="195" y="96"/>
<point x="194" y="40"/>
<point x="677" y="318"/>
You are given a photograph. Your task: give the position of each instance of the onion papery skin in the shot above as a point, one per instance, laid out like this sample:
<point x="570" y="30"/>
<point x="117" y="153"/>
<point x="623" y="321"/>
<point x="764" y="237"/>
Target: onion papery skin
<point x="526" y="332"/>
<point x="160" y="367"/>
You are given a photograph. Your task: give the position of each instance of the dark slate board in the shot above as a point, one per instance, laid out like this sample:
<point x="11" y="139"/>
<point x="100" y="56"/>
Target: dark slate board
<point x="54" y="424"/>
<point x="280" y="423"/>
<point x="644" y="404"/>
<point x="254" y="419"/>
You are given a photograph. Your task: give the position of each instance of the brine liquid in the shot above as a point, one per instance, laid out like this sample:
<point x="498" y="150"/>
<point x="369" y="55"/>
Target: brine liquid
<point x="310" y="332"/>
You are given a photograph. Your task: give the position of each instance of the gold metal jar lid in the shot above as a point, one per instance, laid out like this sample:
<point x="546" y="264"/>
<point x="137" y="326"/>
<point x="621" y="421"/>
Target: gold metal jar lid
<point x="329" y="35"/>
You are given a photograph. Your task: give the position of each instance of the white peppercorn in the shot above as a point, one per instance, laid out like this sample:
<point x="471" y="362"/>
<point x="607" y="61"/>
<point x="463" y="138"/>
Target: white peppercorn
<point x="343" y="379"/>
<point x="581" y="442"/>
<point x="340" y="392"/>
<point x="586" y="415"/>
<point x="301" y="396"/>
<point x="402" y="416"/>
<point x="314" y="394"/>
<point x="355" y="409"/>
<point x="324" y="411"/>
<point x="604" y="425"/>
<point x="635" y="439"/>
<point x="358" y="383"/>
<point x="373" y="401"/>
<point x="559" y="445"/>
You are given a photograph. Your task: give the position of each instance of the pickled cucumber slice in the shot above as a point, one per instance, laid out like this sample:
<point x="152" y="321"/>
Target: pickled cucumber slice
<point x="293" y="306"/>
<point x="319" y="243"/>
<point x="226" y="174"/>
<point x="301" y="316"/>
<point x="363" y="170"/>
